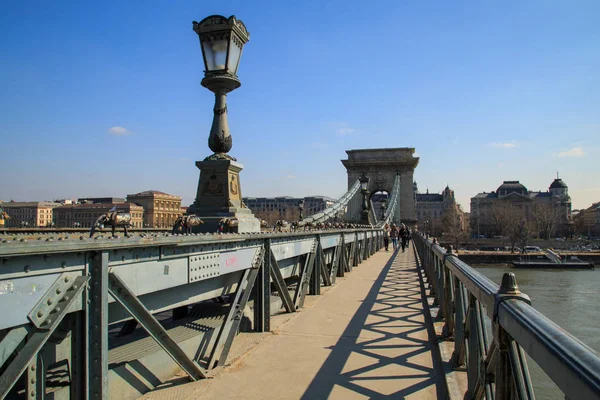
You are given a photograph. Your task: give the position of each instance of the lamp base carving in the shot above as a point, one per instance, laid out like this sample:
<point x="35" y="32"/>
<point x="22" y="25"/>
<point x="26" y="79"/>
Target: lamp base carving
<point x="219" y="195"/>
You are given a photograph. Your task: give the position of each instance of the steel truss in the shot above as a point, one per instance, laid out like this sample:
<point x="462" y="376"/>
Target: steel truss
<point x="61" y="299"/>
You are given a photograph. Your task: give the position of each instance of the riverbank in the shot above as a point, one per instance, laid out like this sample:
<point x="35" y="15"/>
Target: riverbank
<point x="506" y="257"/>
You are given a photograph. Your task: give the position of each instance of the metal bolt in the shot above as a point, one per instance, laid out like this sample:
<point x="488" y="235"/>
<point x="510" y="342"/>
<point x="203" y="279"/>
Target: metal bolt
<point x="48" y="321"/>
<point x="40" y="314"/>
<point x="33" y="367"/>
<point x="66" y="298"/>
<point x="27" y="268"/>
<point x="58" y="291"/>
<point x="32" y="394"/>
<point x="67" y="279"/>
<point x="49" y="302"/>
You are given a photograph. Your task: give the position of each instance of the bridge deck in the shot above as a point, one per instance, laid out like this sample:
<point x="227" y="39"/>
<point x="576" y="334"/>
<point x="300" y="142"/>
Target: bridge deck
<point x="365" y="338"/>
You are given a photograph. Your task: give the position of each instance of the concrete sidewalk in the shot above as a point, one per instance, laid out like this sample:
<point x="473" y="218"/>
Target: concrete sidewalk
<point x="365" y="338"/>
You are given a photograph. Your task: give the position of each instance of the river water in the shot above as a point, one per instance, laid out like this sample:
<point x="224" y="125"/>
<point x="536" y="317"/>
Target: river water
<point x="570" y="298"/>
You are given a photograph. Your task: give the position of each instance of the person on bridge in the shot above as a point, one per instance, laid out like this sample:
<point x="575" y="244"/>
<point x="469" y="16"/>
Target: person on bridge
<point x="386" y="236"/>
<point x="404" y="236"/>
<point x="394" y="235"/>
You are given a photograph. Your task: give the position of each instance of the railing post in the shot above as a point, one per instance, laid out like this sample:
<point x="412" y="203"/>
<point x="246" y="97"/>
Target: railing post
<point x="511" y="371"/>
<point x="448" y="330"/>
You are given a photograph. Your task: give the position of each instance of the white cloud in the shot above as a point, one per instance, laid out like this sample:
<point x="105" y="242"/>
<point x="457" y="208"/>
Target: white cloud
<point x="506" y="145"/>
<point x="290" y="177"/>
<point x="345" y="131"/>
<point x="574" y="152"/>
<point x="119" y="131"/>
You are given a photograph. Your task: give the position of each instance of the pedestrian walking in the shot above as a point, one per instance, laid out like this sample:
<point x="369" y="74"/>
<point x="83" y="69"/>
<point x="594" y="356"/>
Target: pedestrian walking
<point x="394" y="235"/>
<point x="386" y="236"/>
<point x="403" y="236"/>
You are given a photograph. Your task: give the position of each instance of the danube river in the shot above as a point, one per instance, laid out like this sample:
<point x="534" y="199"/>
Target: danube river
<point x="570" y="298"/>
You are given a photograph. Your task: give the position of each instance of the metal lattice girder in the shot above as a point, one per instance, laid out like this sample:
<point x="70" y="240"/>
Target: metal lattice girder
<point x="323" y="265"/>
<point x="232" y="320"/>
<point x="262" y="292"/>
<point x="12" y="340"/>
<point x="36" y="340"/>
<point x="279" y="282"/>
<point x="97" y="328"/>
<point x="119" y="290"/>
<point x="307" y="276"/>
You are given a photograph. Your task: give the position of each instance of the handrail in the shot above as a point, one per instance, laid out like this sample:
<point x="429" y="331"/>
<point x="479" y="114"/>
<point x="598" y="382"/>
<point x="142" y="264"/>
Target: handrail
<point x="460" y="291"/>
<point x="333" y="209"/>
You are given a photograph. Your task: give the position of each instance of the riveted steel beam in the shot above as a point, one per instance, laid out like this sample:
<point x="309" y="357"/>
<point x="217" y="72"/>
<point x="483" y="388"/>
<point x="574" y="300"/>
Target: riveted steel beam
<point x="12" y="340"/>
<point x="124" y="295"/>
<point x="232" y="320"/>
<point x="37" y="339"/>
<point x="279" y="282"/>
<point x="262" y="292"/>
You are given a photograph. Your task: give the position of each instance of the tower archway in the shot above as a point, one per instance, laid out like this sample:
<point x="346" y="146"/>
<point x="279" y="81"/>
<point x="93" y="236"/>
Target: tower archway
<point x="382" y="166"/>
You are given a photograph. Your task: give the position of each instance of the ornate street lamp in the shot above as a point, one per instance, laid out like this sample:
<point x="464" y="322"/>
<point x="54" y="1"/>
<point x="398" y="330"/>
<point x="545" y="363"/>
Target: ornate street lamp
<point x="221" y="40"/>
<point x="219" y="193"/>
<point x="364" y="189"/>
<point x="383" y="205"/>
<point x="301" y="209"/>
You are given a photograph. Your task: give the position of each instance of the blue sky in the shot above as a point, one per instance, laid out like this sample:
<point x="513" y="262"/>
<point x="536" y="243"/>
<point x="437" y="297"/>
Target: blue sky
<point x="104" y="99"/>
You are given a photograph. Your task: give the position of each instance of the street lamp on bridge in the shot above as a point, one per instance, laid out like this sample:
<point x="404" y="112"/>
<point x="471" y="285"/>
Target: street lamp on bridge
<point x="301" y="209"/>
<point x="383" y="206"/>
<point x="219" y="192"/>
<point x="364" y="189"/>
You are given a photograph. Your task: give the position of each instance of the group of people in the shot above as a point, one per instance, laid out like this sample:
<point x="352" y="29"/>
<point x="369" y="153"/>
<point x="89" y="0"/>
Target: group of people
<point x="400" y="233"/>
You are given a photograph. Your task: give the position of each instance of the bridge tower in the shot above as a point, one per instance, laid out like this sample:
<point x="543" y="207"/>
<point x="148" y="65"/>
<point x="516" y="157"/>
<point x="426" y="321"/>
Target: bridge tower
<point x="381" y="166"/>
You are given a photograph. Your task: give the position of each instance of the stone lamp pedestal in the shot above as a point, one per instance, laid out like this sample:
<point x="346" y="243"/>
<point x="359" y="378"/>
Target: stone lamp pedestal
<point x="219" y="196"/>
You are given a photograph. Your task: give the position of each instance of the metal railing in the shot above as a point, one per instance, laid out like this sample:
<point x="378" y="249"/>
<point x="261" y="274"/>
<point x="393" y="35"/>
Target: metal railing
<point x="61" y="298"/>
<point x="496" y="364"/>
<point x="393" y="202"/>
<point x="331" y="211"/>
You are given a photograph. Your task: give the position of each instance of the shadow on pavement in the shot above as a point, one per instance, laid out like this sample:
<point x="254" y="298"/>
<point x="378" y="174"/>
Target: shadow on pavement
<point x="384" y="351"/>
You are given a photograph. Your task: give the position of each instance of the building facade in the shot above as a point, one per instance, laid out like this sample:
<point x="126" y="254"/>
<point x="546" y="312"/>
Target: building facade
<point x="556" y="202"/>
<point x="431" y="208"/>
<point x="588" y="221"/>
<point x="29" y="214"/>
<point x="84" y="215"/>
<point x="100" y="200"/>
<point x="272" y="209"/>
<point x="160" y="209"/>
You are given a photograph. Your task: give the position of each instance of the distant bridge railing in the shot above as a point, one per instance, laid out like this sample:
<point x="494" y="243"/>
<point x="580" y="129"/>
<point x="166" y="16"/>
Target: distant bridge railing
<point x="331" y="211"/>
<point x="70" y="307"/>
<point x="393" y="202"/>
<point x="496" y="364"/>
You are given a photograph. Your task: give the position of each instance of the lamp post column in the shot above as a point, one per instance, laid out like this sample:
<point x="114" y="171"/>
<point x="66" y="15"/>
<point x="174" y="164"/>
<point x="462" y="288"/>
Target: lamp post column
<point x="364" y="186"/>
<point x="219" y="193"/>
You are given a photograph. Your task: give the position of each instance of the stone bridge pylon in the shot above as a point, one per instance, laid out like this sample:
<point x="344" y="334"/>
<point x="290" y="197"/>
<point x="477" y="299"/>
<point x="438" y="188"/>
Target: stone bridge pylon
<point x="381" y="166"/>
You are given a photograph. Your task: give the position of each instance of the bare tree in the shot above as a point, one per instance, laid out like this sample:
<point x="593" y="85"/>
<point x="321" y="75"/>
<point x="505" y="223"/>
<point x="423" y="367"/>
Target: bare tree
<point x="453" y="227"/>
<point x="511" y="221"/>
<point x="545" y="217"/>
<point x="497" y="219"/>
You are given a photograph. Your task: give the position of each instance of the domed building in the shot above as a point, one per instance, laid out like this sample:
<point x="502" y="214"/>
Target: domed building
<point x="552" y="206"/>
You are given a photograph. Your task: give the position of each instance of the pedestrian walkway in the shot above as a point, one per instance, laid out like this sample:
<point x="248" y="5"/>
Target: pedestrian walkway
<point x="366" y="338"/>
